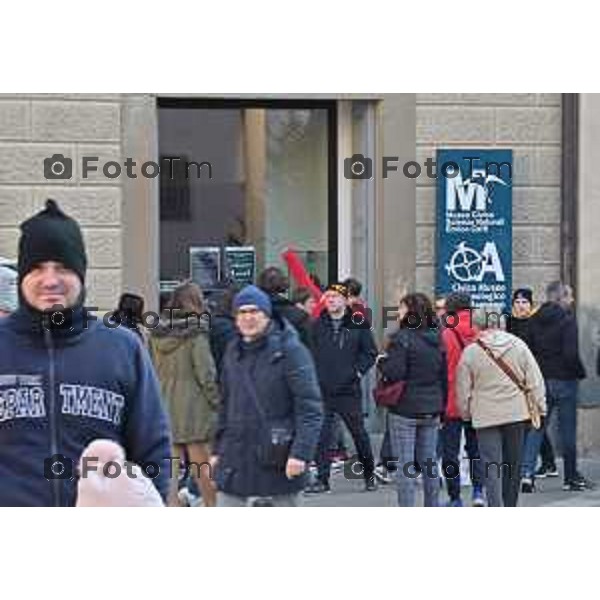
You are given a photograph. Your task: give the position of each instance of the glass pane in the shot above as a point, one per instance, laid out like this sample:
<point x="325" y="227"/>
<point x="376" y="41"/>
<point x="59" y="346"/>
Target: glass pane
<point x="296" y="193"/>
<point x="267" y="190"/>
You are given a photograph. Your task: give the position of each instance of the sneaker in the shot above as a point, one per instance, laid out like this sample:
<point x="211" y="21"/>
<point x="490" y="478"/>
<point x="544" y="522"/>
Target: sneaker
<point x="454" y="503"/>
<point x="575" y="485"/>
<point x="478" y="499"/>
<point x="370" y="484"/>
<point x="546" y="471"/>
<point x="383" y="475"/>
<point x="337" y="465"/>
<point x="586" y="483"/>
<point x="527" y="485"/>
<point x="319" y="487"/>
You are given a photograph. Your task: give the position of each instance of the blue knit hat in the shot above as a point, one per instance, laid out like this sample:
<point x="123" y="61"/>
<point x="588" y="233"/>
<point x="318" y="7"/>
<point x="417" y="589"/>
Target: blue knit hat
<point x="253" y="296"/>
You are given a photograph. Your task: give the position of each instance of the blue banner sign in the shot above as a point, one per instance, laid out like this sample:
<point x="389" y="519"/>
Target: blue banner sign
<point x="474" y="225"/>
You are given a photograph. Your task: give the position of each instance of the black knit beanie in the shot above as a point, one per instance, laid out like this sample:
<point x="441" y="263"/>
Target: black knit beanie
<point x="525" y="293"/>
<point x="51" y="235"/>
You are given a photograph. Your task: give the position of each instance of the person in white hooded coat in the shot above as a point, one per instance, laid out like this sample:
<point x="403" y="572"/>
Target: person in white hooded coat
<point x="496" y="405"/>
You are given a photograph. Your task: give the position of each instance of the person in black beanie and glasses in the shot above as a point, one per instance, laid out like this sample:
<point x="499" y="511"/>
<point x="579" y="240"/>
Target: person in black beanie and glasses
<point x="523" y="309"/>
<point x="66" y="379"/>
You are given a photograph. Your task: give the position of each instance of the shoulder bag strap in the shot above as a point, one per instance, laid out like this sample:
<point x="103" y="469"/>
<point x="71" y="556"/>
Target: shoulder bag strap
<point x="502" y="364"/>
<point x="532" y="408"/>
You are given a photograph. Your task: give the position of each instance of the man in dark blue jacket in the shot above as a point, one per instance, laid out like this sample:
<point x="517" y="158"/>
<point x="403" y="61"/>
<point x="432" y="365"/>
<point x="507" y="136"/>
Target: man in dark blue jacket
<point x="343" y="350"/>
<point x="67" y="379"/>
<point x="270" y="415"/>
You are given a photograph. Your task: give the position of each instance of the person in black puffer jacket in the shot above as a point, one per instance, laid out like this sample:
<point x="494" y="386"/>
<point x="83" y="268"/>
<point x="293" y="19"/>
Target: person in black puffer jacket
<point x="553" y="339"/>
<point x="415" y="355"/>
<point x="522" y="311"/>
<point x="518" y="324"/>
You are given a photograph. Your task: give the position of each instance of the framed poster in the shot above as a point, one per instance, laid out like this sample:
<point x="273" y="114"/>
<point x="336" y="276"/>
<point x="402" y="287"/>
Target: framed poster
<point x="240" y="265"/>
<point x="205" y="266"/>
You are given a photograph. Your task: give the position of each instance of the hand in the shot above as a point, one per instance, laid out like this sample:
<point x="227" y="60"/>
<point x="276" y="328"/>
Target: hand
<point x="380" y="357"/>
<point x="213" y="461"/>
<point x="127" y="486"/>
<point x="294" y="468"/>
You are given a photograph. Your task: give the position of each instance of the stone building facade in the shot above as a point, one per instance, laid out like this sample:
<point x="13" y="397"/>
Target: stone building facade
<point x="384" y="229"/>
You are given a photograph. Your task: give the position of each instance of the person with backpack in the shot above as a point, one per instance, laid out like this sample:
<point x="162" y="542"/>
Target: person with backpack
<point x="457" y="333"/>
<point x="500" y="389"/>
<point x="416" y="357"/>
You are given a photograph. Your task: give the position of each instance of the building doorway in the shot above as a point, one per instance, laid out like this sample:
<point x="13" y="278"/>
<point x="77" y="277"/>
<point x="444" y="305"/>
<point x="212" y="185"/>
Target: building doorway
<point x="246" y="180"/>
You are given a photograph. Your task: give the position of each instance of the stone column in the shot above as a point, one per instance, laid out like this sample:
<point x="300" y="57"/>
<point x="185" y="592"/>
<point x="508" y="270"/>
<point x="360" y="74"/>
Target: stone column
<point x="588" y="289"/>
<point x="141" y="215"/>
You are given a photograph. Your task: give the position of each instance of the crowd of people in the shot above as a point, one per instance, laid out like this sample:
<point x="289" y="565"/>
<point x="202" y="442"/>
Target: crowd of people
<point x="255" y="401"/>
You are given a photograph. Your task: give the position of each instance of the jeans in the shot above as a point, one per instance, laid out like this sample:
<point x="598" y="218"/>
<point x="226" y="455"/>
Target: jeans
<point x="230" y="501"/>
<point x="450" y="446"/>
<point x="501" y="448"/>
<point x="356" y="426"/>
<point x="547" y="451"/>
<point x="386" y="454"/>
<point x="415" y="438"/>
<point x="561" y="396"/>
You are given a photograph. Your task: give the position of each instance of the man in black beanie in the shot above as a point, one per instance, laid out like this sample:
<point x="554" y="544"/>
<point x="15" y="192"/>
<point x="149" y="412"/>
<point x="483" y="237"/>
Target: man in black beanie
<point x="52" y="262"/>
<point x="66" y="379"/>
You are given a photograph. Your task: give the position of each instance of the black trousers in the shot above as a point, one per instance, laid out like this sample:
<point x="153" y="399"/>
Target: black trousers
<point x="355" y="423"/>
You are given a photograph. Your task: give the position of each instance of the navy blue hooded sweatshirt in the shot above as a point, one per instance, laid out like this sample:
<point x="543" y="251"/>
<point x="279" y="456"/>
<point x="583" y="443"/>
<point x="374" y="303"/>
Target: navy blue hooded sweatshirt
<point x="62" y="388"/>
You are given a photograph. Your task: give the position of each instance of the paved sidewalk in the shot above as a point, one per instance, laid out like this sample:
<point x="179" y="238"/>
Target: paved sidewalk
<point x="549" y="493"/>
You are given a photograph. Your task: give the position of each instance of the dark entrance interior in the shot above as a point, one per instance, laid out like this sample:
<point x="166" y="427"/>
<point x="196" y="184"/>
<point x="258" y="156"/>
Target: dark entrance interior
<point x="252" y="177"/>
